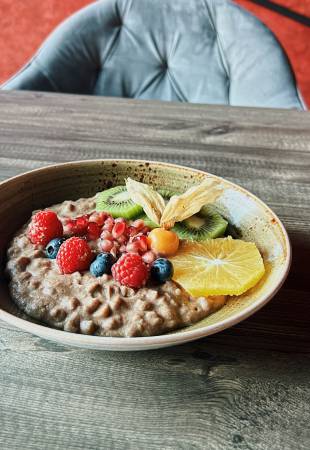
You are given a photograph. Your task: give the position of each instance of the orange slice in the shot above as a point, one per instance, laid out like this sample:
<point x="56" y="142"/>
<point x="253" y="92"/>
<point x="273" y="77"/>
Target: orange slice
<point x="223" y="266"/>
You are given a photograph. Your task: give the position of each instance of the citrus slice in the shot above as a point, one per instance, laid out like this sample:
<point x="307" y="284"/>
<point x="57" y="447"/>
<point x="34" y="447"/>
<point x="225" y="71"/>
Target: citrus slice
<point x="222" y="266"/>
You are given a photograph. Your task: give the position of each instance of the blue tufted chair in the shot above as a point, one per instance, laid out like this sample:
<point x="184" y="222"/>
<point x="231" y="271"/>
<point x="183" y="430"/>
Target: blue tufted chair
<point x="203" y="51"/>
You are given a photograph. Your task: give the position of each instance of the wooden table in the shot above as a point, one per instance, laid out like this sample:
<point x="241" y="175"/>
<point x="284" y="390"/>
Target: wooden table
<point x="245" y="388"/>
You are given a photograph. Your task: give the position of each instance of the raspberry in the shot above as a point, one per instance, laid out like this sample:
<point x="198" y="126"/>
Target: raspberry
<point x="44" y="227"/>
<point x="130" y="270"/>
<point x="74" y="255"/>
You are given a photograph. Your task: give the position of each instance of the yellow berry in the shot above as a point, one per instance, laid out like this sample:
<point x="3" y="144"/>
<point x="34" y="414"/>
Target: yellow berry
<point x="163" y="242"/>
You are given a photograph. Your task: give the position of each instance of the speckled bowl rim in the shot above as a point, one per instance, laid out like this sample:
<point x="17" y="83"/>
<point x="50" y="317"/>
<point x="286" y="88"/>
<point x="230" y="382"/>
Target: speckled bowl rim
<point x="149" y="342"/>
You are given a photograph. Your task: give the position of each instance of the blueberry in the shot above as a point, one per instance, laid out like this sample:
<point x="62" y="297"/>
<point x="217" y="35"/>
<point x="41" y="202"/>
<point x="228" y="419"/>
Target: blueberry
<point x="161" y="270"/>
<point x="102" y="264"/>
<point x="53" y="246"/>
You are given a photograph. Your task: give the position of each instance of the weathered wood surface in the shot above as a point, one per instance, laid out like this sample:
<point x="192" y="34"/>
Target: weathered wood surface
<point x="245" y="388"/>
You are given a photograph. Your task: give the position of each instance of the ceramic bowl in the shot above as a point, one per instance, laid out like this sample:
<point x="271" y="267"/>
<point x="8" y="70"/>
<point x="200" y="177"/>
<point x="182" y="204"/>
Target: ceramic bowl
<point x="40" y="188"/>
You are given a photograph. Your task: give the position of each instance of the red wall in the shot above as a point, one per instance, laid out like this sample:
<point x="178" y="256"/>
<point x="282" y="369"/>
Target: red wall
<point x="25" y="23"/>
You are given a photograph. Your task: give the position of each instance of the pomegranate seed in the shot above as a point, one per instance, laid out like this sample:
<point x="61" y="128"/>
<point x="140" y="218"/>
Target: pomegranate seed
<point x="93" y="231"/>
<point x="149" y="257"/>
<point x="70" y="226"/>
<point x="109" y="220"/>
<point x="98" y="217"/>
<point x="105" y="234"/>
<point x="108" y="224"/>
<point x="81" y="224"/>
<point x="142" y="243"/>
<point x="108" y="227"/>
<point x="132" y="247"/>
<point x="106" y="245"/>
<point x="120" y="220"/>
<point x="122" y="239"/>
<point x="146" y="230"/>
<point x="138" y="224"/>
<point x="118" y="229"/>
<point x="132" y="231"/>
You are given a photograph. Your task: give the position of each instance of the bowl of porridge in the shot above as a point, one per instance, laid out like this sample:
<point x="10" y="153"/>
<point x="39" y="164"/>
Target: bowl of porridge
<point x="133" y="255"/>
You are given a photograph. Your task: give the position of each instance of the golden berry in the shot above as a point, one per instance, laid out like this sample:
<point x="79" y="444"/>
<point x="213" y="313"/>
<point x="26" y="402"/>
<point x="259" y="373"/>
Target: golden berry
<point x="163" y="242"/>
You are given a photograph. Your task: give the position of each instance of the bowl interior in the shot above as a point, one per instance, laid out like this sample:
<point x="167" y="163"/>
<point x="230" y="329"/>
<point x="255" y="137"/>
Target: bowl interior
<point x="43" y="187"/>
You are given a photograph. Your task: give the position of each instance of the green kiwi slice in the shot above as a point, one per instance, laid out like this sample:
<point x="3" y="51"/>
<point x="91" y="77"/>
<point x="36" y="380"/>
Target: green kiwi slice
<point x="166" y="194"/>
<point x="117" y="202"/>
<point x="147" y="221"/>
<point x="207" y="224"/>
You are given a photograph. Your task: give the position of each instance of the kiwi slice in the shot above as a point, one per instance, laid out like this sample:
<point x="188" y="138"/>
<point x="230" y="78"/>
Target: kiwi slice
<point x="117" y="202"/>
<point x="207" y="224"/>
<point x="166" y="194"/>
<point x="147" y="221"/>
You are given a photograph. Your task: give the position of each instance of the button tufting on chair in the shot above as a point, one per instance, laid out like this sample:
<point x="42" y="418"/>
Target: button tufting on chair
<point x="203" y="51"/>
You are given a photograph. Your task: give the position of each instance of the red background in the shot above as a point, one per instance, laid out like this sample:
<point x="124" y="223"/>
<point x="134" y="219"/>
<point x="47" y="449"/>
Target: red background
<point x="25" y="24"/>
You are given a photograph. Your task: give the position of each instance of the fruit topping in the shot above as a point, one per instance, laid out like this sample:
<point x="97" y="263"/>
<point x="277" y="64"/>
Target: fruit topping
<point x="149" y="257"/>
<point x="167" y="211"/>
<point x="98" y="217"/>
<point x="74" y="255"/>
<point x="222" y="266"/>
<point x="161" y="271"/>
<point x="118" y="229"/>
<point x="53" y="246"/>
<point x="109" y="224"/>
<point x="181" y="207"/>
<point x="151" y="201"/>
<point x="130" y="270"/>
<point x="207" y="224"/>
<point x="102" y="264"/>
<point x="163" y="242"/>
<point x="148" y="222"/>
<point x="106" y="245"/>
<point x="44" y="227"/>
<point x="118" y="203"/>
<point x="77" y="226"/>
<point x="93" y="231"/>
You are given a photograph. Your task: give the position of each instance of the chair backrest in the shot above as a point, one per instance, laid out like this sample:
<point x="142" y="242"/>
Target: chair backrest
<point x="204" y="51"/>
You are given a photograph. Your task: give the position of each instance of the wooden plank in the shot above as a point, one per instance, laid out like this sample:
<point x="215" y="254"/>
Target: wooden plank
<point x="245" y="388"/>
<point x="196" y="396"/>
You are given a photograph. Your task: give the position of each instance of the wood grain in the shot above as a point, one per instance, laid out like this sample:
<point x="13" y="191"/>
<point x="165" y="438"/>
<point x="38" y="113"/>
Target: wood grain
<point x="245" y="388"/>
